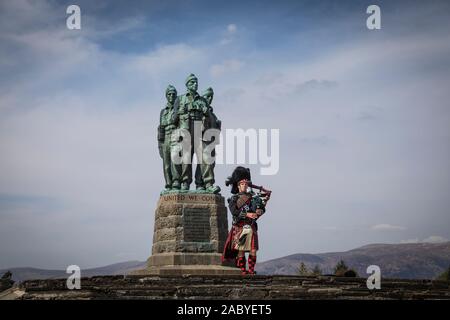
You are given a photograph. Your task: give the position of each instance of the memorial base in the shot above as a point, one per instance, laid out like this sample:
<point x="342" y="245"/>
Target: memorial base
<point x="189" y="235"/>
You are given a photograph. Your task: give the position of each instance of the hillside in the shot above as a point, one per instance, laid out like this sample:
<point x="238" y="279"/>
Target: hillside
<point x="21" y="274"/>
<point x="408" y="261"/>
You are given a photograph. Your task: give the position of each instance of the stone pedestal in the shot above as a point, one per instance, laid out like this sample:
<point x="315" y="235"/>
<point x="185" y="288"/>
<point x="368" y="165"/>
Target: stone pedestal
<point x="189" y="235"/>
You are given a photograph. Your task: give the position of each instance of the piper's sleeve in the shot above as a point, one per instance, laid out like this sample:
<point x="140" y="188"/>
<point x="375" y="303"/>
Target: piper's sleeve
<point x="235" y="212"/>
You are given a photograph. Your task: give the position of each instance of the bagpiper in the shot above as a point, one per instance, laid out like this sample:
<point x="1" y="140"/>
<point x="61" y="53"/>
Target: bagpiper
<point x="246" y="208"/>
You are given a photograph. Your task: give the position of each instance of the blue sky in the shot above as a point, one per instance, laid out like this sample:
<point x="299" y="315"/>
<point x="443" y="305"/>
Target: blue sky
<point x="363" y="118"/>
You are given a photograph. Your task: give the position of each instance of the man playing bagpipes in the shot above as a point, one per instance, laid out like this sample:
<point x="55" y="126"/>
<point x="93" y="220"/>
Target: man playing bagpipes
<point x="246" y="207"/>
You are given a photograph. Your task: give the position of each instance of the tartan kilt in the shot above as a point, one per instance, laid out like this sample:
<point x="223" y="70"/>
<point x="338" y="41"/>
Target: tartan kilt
<point x="230" y="252"/>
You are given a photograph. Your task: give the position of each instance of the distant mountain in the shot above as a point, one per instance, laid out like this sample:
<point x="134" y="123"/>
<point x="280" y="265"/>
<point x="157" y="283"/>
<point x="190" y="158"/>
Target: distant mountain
<point x="407" y="261"/>
<point x="404" y="261"/>
<point x="21" y="274"/>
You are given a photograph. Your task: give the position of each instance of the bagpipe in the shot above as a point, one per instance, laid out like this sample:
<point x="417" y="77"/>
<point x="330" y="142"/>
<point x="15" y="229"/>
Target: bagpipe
<point x="261" y="197"/>
<point x="253" y="201"/>
<point x="256" y="200"/>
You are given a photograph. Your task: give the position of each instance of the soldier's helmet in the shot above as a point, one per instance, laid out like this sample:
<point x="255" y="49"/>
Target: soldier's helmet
<point x="171" y="88"/>
<point x="189" y="78"/>
<point x="238" y="174"/>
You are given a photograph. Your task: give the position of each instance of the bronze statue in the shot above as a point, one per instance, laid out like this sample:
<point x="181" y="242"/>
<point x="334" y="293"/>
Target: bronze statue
<point x="167" y="126"/>
<point x="192" y="114"/>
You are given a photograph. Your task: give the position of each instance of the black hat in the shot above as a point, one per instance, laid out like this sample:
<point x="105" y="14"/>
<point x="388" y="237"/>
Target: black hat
<point x="238" y="174"/>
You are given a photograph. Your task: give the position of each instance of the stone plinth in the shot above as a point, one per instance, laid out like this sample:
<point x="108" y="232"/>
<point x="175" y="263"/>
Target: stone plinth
<point x="189" y="235"/>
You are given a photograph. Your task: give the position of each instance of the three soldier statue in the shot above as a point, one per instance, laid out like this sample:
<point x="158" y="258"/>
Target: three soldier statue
<point x="188" y="116"/>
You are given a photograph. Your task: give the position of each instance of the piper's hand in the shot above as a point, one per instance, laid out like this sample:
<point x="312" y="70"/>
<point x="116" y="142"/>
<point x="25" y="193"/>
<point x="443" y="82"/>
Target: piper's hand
<point x="259" y="212"/>
<point x="252" y="215"/>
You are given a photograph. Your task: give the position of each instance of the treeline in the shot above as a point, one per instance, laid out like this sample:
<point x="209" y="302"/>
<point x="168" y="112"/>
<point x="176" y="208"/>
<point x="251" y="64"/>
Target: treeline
<point x="340" y="270"/>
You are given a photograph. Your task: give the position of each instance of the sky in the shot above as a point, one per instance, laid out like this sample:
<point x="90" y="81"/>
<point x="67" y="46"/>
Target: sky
<point x="363" y="118"/>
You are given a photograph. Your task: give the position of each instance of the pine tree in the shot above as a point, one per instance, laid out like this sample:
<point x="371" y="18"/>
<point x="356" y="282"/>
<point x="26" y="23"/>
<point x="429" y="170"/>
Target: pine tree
<point x="316" y="271"/>
<point x="302" y="270"/>
<point x="445" y="275"/>
<point x="340" y="268"/>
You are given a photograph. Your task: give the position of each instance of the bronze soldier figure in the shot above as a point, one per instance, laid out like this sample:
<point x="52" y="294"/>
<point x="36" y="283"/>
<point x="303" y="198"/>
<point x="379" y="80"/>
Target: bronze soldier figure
<point x="167" y="125"/>
<point x="210" y="121"/>
<point x="190" y="111"/>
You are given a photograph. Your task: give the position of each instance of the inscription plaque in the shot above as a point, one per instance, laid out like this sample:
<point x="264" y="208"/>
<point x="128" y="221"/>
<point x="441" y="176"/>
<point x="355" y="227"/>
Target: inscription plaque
<point x="197" y="227"/>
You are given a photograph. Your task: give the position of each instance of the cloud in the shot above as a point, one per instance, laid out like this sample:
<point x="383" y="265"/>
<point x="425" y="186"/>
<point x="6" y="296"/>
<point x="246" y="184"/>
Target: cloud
<point x="387" y="227"/>
<point x="320" y="140"/>
<point x="416" y="240"/>
<point x="165" y="58"/>
<point x="430" y="239"/>
<point x="231" y="96"/>
<point x="231" y="28"/>
<point x="12" y="205"/>
<point x="330" y="228"/>
<point x="314" y="84"/>
<point x="435" y="239"/>
<point x="228" y="66"/>
<point x="101" y="29"/>
<point x="269" y="78"/>
<point x="366" y="116"/>
<point x="229" y="34"/>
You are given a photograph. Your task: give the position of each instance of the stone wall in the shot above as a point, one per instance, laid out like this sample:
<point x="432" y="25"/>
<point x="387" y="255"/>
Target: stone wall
<point x="234" y="287"/>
